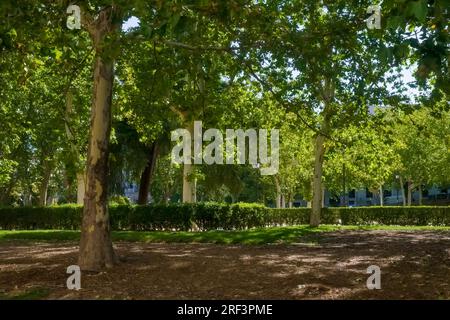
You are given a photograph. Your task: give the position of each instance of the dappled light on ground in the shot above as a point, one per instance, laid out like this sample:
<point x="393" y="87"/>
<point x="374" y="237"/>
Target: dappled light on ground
<point x="413" y="265"/>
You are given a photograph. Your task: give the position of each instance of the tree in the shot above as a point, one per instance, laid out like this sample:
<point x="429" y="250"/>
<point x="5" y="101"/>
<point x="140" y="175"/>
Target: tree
<point x="317" y="57"/>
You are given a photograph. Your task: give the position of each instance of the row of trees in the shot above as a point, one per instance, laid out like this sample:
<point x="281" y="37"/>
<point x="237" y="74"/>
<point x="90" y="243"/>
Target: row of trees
<point x="88" y="109"/>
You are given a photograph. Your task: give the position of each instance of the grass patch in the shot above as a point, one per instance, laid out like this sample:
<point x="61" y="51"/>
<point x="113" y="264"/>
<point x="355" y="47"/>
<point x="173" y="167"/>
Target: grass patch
<point x="33" y="294"/>
<point x="252" y="236"/>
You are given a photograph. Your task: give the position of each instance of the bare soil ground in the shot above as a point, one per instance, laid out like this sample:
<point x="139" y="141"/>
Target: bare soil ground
<point x="414" y="265"/>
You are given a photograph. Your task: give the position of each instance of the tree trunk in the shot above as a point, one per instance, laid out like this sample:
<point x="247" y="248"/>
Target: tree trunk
<point x="381" y="196"/>
<point x="81" y="187"/>
<point x="96" y="250"/>
<point x="189" y="184"/>
<point x="319" y="152"/>
<point x="402" y="188"/>
<point x="323" y="196"/>
<point x="147" y="174"/>
<point x="43" y="188"/>
<point x="278" y="190"/>
<point x="410" y="187"/>
<point x="290" y="200"/>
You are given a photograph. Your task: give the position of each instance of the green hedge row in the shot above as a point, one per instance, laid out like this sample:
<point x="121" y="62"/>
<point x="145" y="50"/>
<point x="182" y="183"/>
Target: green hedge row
<point x="210" y="216"/>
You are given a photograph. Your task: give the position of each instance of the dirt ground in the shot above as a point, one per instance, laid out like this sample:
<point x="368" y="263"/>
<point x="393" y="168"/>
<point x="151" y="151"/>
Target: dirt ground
<point x="414" y="265"/>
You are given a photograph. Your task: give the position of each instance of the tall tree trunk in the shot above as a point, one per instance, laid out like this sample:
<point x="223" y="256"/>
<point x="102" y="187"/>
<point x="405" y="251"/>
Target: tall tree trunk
<point x="147" y="174"/>
<point x="323" y="196"/>
<point x="410" y="188"/>
<point x="96" y="250"/>
<point x="402" y="188"/>
<point x="43" y="188"/>
<point x="319" y="152"/>
<point x="81" y="187"/>
<point x="381" y="195"/>
<point x="189" y="182"/>
<point x="278" y="191"/>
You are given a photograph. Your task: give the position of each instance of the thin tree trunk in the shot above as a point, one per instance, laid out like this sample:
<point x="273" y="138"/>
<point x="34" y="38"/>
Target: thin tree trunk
<point x="147" y="174"/>
<point x="290" y="204"/>
<point x="323" y="196"/>
<point x="96" y="250"/>
<point x="81" y="187"/>
<point x="327" y="95"/>
<point x="381" y="196"/>
<point x="410" y="187"/>
<point x="189" y="182"/>
<point x="290" y="201"/>
<point x="278" y="190"/>
<point x="43" y="188"/>
<point x="166" y="196"/>
<point x="402" y="188"/>
<point x="319" y="152"/>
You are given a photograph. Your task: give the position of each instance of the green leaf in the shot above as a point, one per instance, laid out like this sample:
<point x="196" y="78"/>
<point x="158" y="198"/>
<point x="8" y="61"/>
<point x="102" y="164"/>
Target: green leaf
<point x="419" y="9"/>
<point x="173" y="21"/>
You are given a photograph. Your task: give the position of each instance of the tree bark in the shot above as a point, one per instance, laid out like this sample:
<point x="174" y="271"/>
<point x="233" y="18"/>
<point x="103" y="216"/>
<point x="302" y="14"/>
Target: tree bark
<point x="278" y="191"/>
<point x="402" y="188"/>
<point x="189" y="182"/>
<point x="319" y="152"/>
<point x="81" y="187"/>
<point x="283" y="201"/>
<point x="147" y="174"/>
<point x="327" y="93"/>
<point x="290" y="200"/>
<point x="96" y="250"/>
<point x="323" y="196"/>
<point x="381" y="196"/>
<point x="410" y="188"/>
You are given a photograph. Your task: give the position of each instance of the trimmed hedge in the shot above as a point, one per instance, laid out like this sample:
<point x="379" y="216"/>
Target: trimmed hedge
<point x="211" y="216"/>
